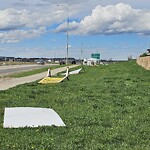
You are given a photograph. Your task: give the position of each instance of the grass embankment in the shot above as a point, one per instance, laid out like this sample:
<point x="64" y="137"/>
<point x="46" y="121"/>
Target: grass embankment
<point x="106" y="107"/>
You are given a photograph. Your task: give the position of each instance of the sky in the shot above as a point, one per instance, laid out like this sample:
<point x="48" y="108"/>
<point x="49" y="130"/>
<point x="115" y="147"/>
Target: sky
<point x="37" y="28"/>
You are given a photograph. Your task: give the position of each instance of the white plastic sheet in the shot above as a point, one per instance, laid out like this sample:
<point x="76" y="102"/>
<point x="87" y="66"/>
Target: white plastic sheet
<point x="31" y="117"/>
<point x="73" y="72"/>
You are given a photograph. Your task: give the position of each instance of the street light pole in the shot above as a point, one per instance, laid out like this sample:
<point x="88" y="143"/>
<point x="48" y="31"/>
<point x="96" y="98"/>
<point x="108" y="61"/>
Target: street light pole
<point x="67" y="32"/>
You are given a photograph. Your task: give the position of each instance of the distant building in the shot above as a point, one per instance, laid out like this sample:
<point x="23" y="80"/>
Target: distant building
<point x="3" y="58"/>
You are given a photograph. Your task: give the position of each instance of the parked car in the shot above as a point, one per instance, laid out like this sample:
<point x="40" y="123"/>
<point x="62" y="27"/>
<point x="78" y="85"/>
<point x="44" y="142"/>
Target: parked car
<point x="70" y="61"/>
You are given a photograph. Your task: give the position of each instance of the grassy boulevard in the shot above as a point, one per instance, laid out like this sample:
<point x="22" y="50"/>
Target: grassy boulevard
<point x="104" y="107"/>
<point x="34" y="71"/>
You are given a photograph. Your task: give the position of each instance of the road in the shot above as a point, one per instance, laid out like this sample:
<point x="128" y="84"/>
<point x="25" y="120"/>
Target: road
<point x="5" y="70"/>
<point x="6" y="83"/>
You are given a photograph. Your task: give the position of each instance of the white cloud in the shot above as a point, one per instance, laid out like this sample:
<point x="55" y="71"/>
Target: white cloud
<point x="21" y="18"/>
<point x="13" y="19"/>
<point x="16" y="25"/>
<point x="14" y="36"/>
<point x="112" y="19"/>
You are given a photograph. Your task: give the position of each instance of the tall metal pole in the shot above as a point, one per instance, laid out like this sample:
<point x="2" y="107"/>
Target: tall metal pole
<point x="67" y="46"/>
<point x="81" y="51"/>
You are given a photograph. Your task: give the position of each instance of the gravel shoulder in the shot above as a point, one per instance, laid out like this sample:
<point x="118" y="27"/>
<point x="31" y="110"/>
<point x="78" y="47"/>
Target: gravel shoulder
<point x="6" y="83"/>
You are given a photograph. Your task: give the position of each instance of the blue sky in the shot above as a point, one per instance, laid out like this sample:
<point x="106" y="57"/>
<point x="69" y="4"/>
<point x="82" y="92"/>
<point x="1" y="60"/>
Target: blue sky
<point x="115" y="29"/>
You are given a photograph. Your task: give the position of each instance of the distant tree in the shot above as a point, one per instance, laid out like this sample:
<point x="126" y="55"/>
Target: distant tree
<point x="130" y="57"/>
<point x="144" y="54"/>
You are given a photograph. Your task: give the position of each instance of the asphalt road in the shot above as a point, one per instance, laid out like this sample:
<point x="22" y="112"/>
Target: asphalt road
<point x="6" y="83"/>
<point x="5" y="70"/>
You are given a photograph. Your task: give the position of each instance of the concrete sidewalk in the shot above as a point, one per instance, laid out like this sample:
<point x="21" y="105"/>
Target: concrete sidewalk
<point x="6" y="83"/>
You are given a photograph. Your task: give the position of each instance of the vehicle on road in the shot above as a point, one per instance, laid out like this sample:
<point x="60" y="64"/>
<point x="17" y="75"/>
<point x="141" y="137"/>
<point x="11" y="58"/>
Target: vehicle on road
<point x="40" y="62"/>
<point x="70" y="61"/>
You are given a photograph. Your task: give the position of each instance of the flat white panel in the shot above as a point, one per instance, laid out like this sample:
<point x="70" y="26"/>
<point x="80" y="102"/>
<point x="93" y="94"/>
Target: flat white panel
<point x="31" y="117"/>
<point x="73" y="72"/>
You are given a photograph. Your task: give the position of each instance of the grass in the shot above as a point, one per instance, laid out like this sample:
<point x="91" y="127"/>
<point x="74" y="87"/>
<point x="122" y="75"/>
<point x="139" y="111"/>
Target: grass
<point x="104" y="108"/>
<point x="32" y="72"/>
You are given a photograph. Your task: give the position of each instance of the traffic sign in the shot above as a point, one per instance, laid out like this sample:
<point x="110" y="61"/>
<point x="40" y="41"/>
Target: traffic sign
<point x="95" y="55"/>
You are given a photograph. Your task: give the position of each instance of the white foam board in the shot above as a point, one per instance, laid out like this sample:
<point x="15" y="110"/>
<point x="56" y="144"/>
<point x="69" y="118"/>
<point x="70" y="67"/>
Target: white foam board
<point x="73" y="72"/>
<point x="31" y="117"/>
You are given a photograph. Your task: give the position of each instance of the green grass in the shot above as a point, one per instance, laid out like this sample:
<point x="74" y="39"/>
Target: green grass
<point x="104" y="108"/>
<point x="32" y="72"/>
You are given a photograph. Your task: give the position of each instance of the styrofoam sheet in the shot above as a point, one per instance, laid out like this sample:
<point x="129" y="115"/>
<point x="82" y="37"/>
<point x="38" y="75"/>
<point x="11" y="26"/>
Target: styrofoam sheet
<point x="73" y="72"/>
<point x="31" y="117"/>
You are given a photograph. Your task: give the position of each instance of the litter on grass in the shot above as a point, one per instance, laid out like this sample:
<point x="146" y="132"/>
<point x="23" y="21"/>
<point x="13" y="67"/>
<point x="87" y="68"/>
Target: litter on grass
<point x="73" y="72"/>
<point x="19" y="117"/>
<point x="50" y="79"/>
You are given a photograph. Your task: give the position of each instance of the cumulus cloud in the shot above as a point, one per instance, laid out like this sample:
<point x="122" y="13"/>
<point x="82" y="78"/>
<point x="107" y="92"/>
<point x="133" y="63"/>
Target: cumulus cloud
<point x="16" y="25"/>
<point x="14" y="36"/>
<point x="25" y="21"/>
<point x="112" y="19"/>
<point x="19" y="24"/>
<point x="12" y="18"/>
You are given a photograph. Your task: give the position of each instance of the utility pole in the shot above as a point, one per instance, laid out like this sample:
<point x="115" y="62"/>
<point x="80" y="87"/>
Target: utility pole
<point x="67" y="32"/>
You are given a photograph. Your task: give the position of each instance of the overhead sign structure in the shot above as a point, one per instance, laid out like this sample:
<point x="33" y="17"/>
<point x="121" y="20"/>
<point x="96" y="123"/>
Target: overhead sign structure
<point x="19" y="117"/>
<point x="95" y="55"/>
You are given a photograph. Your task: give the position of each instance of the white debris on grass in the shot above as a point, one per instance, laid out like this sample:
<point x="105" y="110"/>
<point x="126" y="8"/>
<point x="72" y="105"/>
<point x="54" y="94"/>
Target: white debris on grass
<point x="19" y="117"/>
<point x="73" y="72"/>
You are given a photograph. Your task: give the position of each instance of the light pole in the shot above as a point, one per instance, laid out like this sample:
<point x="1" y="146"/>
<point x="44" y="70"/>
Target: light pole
<point x="67" y="32"/>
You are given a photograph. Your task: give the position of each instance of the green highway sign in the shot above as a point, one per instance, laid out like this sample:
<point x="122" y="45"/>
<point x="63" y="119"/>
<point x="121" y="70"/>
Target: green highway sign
<point x="95" y="55"/>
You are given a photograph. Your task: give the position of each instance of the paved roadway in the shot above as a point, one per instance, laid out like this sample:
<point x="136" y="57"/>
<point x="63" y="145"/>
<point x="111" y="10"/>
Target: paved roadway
<point x="10" y="69"/>
<point x="6" y="83"/>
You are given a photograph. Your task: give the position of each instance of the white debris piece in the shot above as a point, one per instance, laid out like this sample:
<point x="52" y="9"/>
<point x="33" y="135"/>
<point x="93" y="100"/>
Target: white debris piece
<point x="73" y="72"/>
<point x="31" y="117"/>
<point x="49" y="73"/>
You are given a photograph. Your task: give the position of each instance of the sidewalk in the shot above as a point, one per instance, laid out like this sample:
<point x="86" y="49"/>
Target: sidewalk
<point x="7" y="83"/>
